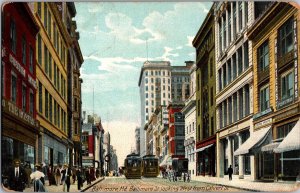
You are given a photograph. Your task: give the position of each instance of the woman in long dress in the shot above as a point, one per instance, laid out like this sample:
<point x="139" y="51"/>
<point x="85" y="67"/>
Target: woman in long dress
<point x="38" y="178"/>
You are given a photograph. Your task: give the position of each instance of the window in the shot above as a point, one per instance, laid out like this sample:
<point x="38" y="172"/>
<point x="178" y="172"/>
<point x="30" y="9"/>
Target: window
<point x="58" y="116"/>
<point x="225" y="112"/>
<point x="229" y="25"/>
<point x="241" y="104"/>
<point x="146" y="102"/>
<point x="75" y="82"/>
<point x="24" y="50"/>
<point x="287" y="85"/>
<point x="55" y="112"/>
<point x="39" y="9"/>
<point x="75" y="104"/>
<point x="31" y="59"/>
<point x="264" y="98"/>
<point x="220" y="116"/>
<point x="2" y="78"/>
<point x="24" y="93"/>
<point x="286" y="37"/>
<point x="46" y="103"/>
<point x="212" y="125"/>
<point x="220" y="79"/>
<point x="234" y="19"/>
<point x="224" y="76"/>
<point x="46" y="59"/>
<point x="234" y="67"/>
<point x="229" y="72"/>
<point x="263" y="56"/>
<point x="13" y="36"/>
<point x="235" y="107"/>
<point x="39" y="51"/>
<point x="76" y="128"/>
<point x="40" y="97"/>
<point x="230" y="110"/>
<point x="45" y="16"/>
<point x="50" y="108"/>
<point x="31" y="102"/>
<point x="240" y="4"/>
<point x="211" y="96"/>
<point x="247" y="100"/>
<point x="13" y="88"/>
<point x="49" y="24"/>
<point x="146" y="95"/>
<point x="246" y="54"/>
<point x="284" y="130"/>
<point x="240" y="60"/>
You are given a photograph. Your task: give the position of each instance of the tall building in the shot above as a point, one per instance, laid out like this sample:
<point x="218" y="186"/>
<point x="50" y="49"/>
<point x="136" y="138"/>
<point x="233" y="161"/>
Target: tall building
<point x="275" y="141"/>
<point x="155" y="90"/>
<point x="204" y="43"/>
<point x="74" y="89"/>
<point x="19" y="125"/>
<point x="234" y="84"/>
<point x="189" y="112"/>
<point x="180" y="82"/>
<point x="53" y="42"/>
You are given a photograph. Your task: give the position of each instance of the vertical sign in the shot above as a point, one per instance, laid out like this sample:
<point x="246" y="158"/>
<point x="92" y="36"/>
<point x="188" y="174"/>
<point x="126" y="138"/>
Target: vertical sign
<point x="296" y="58"/>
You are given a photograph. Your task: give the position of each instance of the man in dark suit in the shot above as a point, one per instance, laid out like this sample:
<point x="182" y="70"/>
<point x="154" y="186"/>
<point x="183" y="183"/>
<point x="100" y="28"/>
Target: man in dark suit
<point x="68" y="175"/>
<point x="17" y="177"/>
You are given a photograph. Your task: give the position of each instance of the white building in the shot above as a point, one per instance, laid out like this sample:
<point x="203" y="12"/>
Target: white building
<point x="189" y="112"/>
<point x="155" y="90"/>
<point x="234" y="85"/>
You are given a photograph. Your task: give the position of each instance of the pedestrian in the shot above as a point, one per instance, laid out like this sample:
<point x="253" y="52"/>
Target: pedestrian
<point x="79" y="179"/>
<point x="50" y="174"/>
<point x="44" y="169"/>
<point x="57" y="175"/>
<point x="74" y="174"/>
<point x="38" y="178"/>
<point x="230" y="171"/>
<point x="67" y="177"/>
<point x="17" y="177"/>
<point x="92" y="174"/>
<point x="28" y="172"/>
<point x="87" y="176"/>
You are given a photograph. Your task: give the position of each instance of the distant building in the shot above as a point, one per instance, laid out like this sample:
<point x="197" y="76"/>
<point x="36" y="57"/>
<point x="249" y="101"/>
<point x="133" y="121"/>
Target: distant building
<point x="137" y="140"/>
<point x="155" y="90"/>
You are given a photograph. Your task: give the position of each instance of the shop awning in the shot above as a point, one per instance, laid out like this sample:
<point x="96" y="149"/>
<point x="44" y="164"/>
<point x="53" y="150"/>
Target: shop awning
<point x="256" y="139"/>
<point x="270" y="147"/>
<point x="203" y="148"/>
<point x="291" y="141"/>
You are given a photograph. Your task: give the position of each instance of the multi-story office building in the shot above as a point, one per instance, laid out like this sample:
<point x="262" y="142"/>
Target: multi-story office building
<point x="234" y="84"/>
<point x="155" y="90"/>
<point x="52" y="43"/>
<point x="180" y="82"/>
<point x="19" y="126"/>
<point x="204" y="43"/>
<point x="275" y="141"/>
<point x="189" y="111"/>
<point x="74" y="89"/>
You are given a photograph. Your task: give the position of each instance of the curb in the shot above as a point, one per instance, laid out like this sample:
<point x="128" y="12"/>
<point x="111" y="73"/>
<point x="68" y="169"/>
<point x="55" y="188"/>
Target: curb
<point x="230" y="186"/>
<point x="88" y="187"/>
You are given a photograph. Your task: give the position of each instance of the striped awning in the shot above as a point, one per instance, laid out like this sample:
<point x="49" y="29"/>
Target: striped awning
<point x="256" y="139"/>
<point x="270" y="147"/>
<point x="291" y="141"/>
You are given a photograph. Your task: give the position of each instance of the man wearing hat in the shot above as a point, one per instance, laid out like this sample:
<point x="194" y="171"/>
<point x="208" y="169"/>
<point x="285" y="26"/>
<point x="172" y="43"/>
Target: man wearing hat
<point x="17" y="177"/>
<point x="67" y="173"/>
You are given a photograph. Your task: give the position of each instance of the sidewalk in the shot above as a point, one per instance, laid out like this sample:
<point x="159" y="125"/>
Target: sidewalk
<point x="248" y="184"/>
<point x="59" y="188"/>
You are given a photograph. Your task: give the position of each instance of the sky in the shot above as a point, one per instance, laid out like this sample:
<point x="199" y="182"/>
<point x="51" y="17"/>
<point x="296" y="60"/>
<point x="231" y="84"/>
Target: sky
<point x="116" y="38"/>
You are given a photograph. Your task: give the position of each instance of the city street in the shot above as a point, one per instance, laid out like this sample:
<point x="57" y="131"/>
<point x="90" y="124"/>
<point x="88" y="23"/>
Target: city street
<point x="117" y="184"/>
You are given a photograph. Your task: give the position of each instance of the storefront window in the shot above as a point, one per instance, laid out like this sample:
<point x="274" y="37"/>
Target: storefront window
<point x="268" y="165"/>
<point x="289" y="164"/>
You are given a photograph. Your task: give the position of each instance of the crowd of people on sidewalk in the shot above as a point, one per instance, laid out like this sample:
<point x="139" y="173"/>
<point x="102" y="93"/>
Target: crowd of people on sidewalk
<point x="21" y="176"/>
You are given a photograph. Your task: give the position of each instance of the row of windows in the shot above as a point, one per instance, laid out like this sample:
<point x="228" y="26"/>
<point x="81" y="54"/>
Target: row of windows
<point x="157" y="88"/>
<point x="232" y="23"/>
<point x="157" y="80"/>
<point x="156" y="96"/>
<point x="189" y="128"/>
<point x="235" y="66"/>
<point x="52" y="31"/>
<point x="235" y="107"/>
<point x="26" y="94"/>
<point x="157" y="72"/>
<point x="52" y="111"/>
<point x="51" y="69"/>
<point x="286" y="90"/>
<point x="180" y="79"/>
<point x="25" y="48"/>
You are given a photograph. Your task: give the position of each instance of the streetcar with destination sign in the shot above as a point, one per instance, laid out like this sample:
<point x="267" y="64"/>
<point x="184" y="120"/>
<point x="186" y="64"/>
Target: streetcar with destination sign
<point x="133" y="166"/>
<point x="150" y="166"/>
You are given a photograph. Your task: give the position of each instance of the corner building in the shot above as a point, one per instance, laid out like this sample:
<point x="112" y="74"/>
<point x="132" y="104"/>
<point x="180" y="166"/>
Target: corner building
<point x="234" y="86"/>
<point x="19" y="125"/>
<point x="275" y="36"/>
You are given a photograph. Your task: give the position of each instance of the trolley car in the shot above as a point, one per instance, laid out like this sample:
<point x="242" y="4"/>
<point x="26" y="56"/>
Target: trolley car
<point x="133" y="166"/>
<point x="150" y="166"/>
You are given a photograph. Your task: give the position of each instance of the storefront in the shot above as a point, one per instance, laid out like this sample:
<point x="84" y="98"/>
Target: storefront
<point x="19" y="135"/>
<point x="206" y="151"/>
<point x="55" y="149"/>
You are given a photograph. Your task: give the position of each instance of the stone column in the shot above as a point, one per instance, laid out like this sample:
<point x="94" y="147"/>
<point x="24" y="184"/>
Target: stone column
<point x="229" y="142"/>
<point x="241" y="159"/>
<point x="220" y="157"/>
